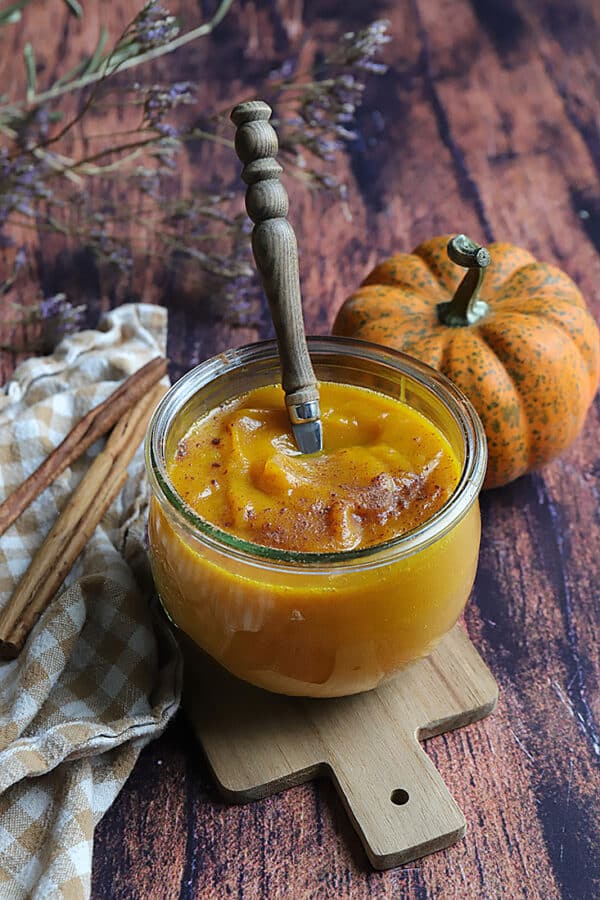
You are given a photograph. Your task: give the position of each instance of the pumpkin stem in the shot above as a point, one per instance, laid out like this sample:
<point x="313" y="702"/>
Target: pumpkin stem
<point x="465" y="308"/>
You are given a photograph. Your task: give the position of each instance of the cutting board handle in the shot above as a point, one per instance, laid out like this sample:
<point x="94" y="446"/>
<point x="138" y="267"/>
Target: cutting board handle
<point x="396" y="799"/>
<point x="258" y="744"/>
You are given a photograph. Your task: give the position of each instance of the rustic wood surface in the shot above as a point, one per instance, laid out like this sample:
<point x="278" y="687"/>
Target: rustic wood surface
<point x="487" y="123"/>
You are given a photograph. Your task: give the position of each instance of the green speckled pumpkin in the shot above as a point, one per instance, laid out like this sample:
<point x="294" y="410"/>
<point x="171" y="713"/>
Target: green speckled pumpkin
<point x="520" y="342"/>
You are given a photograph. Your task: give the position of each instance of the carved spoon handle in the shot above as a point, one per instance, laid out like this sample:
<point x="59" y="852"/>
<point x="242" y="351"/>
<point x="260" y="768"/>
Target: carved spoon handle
<point x="276" y="255"/>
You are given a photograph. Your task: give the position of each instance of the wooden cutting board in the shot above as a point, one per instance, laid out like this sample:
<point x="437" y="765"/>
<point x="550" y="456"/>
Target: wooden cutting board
<point x="259" y="743"/>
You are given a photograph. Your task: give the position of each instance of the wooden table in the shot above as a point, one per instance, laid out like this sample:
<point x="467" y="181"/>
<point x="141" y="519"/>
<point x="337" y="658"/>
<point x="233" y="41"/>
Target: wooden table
<point x="487" y="123"/>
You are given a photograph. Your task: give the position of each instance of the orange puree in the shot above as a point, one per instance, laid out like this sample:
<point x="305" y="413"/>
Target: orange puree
<point x="314" y="628"/>
<point x="383" y="471"/>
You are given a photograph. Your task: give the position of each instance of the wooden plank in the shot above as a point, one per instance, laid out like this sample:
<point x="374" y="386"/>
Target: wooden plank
<point x="511" y="124"/>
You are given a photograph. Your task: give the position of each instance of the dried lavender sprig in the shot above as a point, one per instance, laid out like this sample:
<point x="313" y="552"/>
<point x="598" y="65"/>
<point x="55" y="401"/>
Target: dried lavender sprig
<point x="22" y="183"/>
<point x="154" y="26"/>
<point x="326" y="107"/>
<point x="321" y="124"/>
<point x="107" y="68"/>
<point x="161" y="99"/>
<point x="357" y="49"/>
<point x="56" y="317"/>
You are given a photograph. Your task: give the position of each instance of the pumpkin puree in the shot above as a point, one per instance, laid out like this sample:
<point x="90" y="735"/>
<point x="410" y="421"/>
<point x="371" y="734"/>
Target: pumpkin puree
<point x="384" y="469"/>
<point x="323" y="630"/>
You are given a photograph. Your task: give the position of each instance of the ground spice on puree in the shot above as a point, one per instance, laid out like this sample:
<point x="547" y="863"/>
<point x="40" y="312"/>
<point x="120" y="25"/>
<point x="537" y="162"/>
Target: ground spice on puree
<point x="383" y="471"/>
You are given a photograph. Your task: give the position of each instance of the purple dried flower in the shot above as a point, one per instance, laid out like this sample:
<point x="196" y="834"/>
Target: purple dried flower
<point x="180" y="92"/>
<point x="154" y="26"/>
<point x="160" y="101"/>
<point x="20" y="258"/>
<point x="25" y="208"/>
<point x="166" y="130"/>
<point x="373" y="67"/>
<point x="357" y="49"/>
<point x="107" y="247"/>
<point x="52" y="306"/>
<point x="32" y="129"/>
<point x="120" y="257"/>
<point x="58" y="316"/>
<point x="285" y="71"/>
<point x="327" y="106"/>
<point x="148" y="181"/>
<point x="165" y="151"/>
<point x="46" y="323"/>
<point x="21" y="183"/>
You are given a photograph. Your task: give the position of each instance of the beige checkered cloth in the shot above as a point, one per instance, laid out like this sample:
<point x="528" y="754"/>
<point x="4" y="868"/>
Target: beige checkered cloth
<point x="98" y="677"/>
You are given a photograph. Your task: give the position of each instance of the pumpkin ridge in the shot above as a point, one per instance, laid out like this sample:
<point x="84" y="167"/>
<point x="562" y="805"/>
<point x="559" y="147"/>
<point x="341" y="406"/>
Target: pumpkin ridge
<point x="578" y="332"/>
<point x="520" y="402"/>
<point x="507" y="260"/>
<point x="390" y="274"/>
<point x="422" y="291"/>
<point x="428" y="348"/>
<point x="555" y="325"/>
<point x="388" y="294"/>
<point x="536" y="279"/>
<point x="526" y="433"/>
<point x="447" y="340"/>
<point x="553" y="420"/>
<point x="469" y="363"/>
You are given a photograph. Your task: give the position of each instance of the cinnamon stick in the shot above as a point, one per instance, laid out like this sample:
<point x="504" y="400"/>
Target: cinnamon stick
<point x="92" y="426"/>
<point x="74" y="527"/>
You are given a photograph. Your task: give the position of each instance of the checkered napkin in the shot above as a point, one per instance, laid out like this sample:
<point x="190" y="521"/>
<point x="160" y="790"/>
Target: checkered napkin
<point x="99" y="677"/>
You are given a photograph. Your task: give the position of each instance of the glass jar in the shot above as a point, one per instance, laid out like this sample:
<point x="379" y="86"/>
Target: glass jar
<point x="315" y="624"/>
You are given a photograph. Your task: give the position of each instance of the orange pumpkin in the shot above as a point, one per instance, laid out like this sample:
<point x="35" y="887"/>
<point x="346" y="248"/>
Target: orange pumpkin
<point x="520" y="342"/>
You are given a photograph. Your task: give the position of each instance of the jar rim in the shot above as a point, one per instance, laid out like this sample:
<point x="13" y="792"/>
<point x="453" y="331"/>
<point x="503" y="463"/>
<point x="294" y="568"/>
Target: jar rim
<point x="407" y="544"/>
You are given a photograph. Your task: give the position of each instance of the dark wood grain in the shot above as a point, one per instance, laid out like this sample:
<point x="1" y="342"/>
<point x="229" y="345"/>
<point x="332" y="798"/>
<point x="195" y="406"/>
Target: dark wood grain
<point x="486" y="123"/>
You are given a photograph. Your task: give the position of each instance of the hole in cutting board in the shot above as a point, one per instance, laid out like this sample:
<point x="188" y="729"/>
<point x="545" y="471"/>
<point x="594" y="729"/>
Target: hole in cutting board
<point x="399" y="797"/>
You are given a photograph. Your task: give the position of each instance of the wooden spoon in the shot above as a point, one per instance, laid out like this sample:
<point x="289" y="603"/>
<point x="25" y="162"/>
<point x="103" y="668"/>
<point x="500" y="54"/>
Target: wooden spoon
<point x="276" y="256"/>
